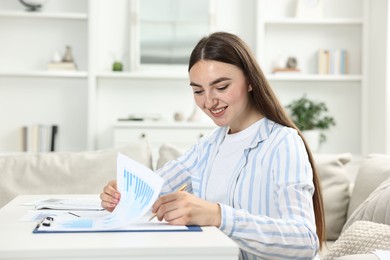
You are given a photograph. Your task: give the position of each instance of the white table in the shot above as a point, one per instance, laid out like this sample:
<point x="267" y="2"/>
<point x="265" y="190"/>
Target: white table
<point x="18" y="242"/>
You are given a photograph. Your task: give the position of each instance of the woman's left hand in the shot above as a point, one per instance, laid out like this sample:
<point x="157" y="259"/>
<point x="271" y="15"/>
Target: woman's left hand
<point x="183" y="208"/>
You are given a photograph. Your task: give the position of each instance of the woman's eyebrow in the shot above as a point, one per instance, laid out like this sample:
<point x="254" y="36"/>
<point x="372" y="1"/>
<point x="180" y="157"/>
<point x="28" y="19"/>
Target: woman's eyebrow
<point x="195" y="84"/>
<point x="216" y="81"/>
<point x="219" y="80"/>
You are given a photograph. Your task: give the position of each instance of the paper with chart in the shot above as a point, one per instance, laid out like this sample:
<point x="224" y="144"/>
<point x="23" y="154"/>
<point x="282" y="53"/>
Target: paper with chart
<point x="139" y="188"/>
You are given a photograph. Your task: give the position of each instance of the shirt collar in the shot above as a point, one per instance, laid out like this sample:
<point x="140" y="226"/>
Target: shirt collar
<point x="265" y="129"/>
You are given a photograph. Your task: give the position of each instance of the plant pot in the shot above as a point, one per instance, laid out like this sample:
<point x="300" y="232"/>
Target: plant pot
<point x="312" y="138"/>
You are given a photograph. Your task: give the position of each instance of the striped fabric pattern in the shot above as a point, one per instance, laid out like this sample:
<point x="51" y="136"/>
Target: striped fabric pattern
<point x="269" y="208"/>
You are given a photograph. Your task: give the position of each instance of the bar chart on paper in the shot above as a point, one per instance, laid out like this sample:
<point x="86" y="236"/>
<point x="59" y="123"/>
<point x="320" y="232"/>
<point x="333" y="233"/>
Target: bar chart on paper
<point x="138" y="193"/>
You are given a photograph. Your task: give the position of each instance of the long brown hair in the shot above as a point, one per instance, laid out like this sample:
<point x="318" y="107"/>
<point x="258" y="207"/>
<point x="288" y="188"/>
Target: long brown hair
<point x="229" y="48"/>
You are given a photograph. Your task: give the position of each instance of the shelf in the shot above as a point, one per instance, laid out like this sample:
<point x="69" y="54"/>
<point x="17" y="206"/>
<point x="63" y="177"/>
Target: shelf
<point x="44" y="73"/>
<point x="43" y="15"/>
<point x="313" y="77"/>
<point x="178" y="73"/>
<point x="326" y="21"/>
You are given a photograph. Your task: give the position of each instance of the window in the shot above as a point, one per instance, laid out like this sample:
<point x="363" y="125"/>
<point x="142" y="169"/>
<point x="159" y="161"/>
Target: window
<point x="169" y="29"/>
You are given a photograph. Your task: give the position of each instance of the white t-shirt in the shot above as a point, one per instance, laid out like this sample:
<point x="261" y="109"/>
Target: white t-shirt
<point x="229" y="153"/>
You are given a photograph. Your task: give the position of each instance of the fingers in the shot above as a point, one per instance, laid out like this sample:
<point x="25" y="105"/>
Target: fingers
<point x="162" y="201"/>
<point x="182" y="208"/>
<point x="172" y="208"/>
<point x="110" y="196"/>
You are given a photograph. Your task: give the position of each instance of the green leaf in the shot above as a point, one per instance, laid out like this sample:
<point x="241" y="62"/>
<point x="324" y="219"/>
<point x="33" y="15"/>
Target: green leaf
<point x="308" y="114"/>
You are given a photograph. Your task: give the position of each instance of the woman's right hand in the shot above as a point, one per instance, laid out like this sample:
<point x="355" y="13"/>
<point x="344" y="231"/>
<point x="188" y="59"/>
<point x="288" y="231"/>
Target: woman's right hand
<point x="110" y="196"/>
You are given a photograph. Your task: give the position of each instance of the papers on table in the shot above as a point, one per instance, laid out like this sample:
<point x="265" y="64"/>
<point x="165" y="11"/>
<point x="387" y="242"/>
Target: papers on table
<point x="69" y="204"/>
<point x="142" y="224"/>
<point x="72" y="224"/>
<point x="139" y="188"/>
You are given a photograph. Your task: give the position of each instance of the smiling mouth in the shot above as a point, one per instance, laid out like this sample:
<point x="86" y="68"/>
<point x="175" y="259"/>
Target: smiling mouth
<point x="217" y="111"/>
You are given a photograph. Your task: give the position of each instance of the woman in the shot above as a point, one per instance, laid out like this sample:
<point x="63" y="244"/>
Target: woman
<point x="254" y="176"/>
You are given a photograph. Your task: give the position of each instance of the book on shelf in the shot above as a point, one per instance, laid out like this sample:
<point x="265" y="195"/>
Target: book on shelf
<point x="333" y="61"/>
<point x="285" y="70"/>
<point x="39" y="138"/>
<point x="61" y="66"/>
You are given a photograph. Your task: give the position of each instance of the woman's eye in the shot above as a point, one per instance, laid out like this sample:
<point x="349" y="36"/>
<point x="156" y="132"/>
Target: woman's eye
<point x="197" y="92"/>
<point x="223" y="87"/>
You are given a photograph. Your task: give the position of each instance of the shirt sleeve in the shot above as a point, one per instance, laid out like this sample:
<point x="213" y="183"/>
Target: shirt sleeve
<point x="290" y="233"/>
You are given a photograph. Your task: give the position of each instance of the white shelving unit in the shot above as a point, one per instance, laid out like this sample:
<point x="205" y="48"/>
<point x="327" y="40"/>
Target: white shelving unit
<point x="314" y="77"/>
<point x="311" y="21"/>
<point x="29" y="93"/>
<point x="45" y="74"/>
<point x="178" y="73"/>
<point x="281" y="35"/>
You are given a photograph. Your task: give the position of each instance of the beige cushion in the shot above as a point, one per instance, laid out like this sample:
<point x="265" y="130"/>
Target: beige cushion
<point x="65" y="172"/>
<point x="335" y="190"/>
<point x="375" y="208"/>
<point x="168" y="152"/>
<point x="362" y="237"/>
<point x="374" y="170"/>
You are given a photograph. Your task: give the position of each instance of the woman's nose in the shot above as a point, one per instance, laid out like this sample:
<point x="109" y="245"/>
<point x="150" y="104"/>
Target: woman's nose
<point x="210" y="100"/>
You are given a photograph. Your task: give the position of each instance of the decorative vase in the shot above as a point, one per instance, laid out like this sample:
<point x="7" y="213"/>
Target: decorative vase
<point x="68" y="56"/>
<point x="312" y="138"/>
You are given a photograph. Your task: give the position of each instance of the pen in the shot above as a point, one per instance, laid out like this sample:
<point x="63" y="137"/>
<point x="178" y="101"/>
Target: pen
<point x="183" y="187"/>
<point x="71" y="213"/>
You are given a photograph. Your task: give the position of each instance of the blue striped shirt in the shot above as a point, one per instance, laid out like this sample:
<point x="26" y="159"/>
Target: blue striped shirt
<point x="269" y="210"/>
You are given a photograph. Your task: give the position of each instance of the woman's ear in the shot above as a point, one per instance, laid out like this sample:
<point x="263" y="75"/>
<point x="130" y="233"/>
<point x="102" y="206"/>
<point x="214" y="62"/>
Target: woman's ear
<point x="249" y="87"/>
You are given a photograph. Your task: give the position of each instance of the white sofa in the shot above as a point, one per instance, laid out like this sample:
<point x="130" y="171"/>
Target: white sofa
<point x="350" y="206"/>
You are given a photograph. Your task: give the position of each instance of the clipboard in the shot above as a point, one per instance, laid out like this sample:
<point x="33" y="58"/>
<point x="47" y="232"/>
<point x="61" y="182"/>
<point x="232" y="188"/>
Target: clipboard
<point x="47" y="225"/>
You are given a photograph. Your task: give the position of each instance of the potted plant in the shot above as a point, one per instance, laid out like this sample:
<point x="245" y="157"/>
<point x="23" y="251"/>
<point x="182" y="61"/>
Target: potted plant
<point x="311" y="118"/>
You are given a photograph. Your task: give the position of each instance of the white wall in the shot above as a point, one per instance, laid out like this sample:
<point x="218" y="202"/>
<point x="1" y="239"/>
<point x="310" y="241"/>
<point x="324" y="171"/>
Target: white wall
<point x="387" y="95"/>
<point x="378" y="88"/>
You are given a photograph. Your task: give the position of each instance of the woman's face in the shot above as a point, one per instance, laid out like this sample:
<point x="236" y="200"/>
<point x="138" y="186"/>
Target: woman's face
<point x="222" y="92"/>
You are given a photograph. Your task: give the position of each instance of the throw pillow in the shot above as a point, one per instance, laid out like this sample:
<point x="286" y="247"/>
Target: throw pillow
<point x="374" y="170"/>
<point x="335" y="190"/>
<point x="362" y="237"/>
<point x="168" y="152"/>
<point x="375" y="208"/>
<point x="64" y="172"/>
